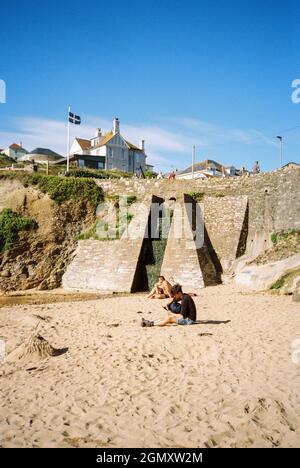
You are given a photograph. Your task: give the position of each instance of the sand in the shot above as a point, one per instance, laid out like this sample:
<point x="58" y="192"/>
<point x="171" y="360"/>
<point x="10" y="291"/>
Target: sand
<point x="230" y="382"/>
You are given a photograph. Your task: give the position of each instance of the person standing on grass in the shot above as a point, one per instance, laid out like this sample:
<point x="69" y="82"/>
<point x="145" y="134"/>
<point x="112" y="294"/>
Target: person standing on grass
<point x="186" y="316"/>
<point x="256" y="168"/>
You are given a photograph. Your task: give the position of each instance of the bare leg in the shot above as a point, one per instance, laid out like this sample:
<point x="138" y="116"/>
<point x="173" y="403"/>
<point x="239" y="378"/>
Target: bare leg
<point x="159" y="296"/>
<point x="168" y="321"/>
<point x="155" y="291"/>
<point x="151" y="294"/>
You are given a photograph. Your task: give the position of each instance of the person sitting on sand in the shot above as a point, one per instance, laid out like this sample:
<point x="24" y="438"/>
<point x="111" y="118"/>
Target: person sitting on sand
<point x="161" y="290"/>
<point x="187" y="315"/>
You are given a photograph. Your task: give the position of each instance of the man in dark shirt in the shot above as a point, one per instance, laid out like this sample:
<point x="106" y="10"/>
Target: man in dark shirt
<point x="187" y="315"/>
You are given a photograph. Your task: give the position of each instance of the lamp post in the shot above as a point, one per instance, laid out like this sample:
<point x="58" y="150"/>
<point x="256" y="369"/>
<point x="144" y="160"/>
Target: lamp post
<point x="193" y="160"/>
<point x="280" y="138"/>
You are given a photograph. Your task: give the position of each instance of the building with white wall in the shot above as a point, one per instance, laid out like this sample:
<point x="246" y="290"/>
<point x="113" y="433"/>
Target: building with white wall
<point x="15" y="151"/>
<point x="110" y="151"/>
<point x="206" y="169"/>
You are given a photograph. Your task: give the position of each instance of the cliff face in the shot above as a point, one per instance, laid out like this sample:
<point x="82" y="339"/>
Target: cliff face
<point x="40" y="256"/>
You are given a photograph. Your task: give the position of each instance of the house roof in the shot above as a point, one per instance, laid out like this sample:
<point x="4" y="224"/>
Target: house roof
<point x="45" y="152"/>
<point x="105" y="139"/>
<point x="291" y="162"/>
<point x="202" y="166"/>
<point x="16" y="146"/>
<point x="84" y="144"/>
<point x="132" y="146"/>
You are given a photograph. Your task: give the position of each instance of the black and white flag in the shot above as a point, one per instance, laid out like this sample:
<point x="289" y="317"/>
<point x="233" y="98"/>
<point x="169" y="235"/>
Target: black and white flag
<point x="75" y="119"/>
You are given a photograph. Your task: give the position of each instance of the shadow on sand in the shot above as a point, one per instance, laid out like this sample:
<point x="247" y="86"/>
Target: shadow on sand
<point x="211" y="322"/>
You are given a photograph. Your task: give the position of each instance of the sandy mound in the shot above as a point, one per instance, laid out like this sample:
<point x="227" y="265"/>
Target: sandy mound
<point x="35" y="349"/>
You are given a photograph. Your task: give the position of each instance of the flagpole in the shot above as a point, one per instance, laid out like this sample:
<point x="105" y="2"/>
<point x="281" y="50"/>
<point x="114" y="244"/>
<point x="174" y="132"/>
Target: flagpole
<point x="68" y="143"/>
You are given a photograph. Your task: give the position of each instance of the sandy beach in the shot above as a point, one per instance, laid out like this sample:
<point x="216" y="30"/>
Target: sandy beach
<point x="227" y="382"/>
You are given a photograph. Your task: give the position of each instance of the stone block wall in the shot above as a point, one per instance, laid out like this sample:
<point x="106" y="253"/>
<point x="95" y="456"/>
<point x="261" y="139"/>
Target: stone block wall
<point x="108" y="265"/>
<point x="240" y="214"/>
<point x="273" y="198"/>
<point x="226" y="221"/>
<point x="181" y="262"/>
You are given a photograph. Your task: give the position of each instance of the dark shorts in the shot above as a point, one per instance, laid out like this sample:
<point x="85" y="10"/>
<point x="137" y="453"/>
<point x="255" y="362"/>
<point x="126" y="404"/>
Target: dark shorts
<point x="175" y="307"/>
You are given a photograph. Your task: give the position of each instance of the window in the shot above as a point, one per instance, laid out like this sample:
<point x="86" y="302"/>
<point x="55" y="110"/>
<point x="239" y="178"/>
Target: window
<point x="123" y="154"/>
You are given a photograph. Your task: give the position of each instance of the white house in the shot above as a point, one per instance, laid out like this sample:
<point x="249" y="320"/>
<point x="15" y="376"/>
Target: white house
<point x="206" y="169"/>
<point x="15" y="151"/>
<point x="109" y="151"/>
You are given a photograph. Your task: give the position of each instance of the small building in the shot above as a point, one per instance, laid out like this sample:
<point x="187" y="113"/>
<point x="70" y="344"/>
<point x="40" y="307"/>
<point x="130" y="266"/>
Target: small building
<point x="292" y="165"/>
<point x="42" y="155"/>
<point x="204" y="169"/>
<point x="207" y="169"/>
<point x="232" y="171"/>
<point x="149" y="167"/>
<point x="109" y="151"/>
<point x="15" y="151"/>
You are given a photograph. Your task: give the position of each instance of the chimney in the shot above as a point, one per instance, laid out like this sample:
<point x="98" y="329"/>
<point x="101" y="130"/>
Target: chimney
<point x="116" y="126"/>
<point x="98" y="132"/>
<point x="21" y="144"/>
<point x="142" y="145"/>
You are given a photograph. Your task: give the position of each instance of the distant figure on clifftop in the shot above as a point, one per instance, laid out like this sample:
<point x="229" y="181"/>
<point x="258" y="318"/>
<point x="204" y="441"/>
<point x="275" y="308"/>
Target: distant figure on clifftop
<point x="256" y="168"/>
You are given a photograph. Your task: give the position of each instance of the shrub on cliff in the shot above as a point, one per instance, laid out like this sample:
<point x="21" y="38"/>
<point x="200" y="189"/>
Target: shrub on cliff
<point x="10" y="226"/>
<point x="99" y="173"/>
<point x="61" y="189"/>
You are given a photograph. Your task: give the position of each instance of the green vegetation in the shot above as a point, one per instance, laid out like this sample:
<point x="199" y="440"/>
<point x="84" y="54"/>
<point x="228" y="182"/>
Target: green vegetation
<point x="90" y="233"/>
<point x="10" y="226"/>
<point x="150" y="174"/>
<point x="60" y="189"/>
<point x="153" y="254"/>
<point x="284" y="235"/>
<point x="197" y="196"/>
<point x="130" y="199"/>
<point x="101" y="225"/>
<point x="5" y="161"/>
<point x="274" y="238"/>
<point x="287" y="280"/>
<point x="279" y="283"/>
<point x="112" y="224"/>
<point x="99" y="174"/>
<point x="156" y="259"/>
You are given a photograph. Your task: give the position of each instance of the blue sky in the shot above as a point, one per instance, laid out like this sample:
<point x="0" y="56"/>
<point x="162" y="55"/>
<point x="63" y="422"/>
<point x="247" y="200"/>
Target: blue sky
<point x="177" y="73"/>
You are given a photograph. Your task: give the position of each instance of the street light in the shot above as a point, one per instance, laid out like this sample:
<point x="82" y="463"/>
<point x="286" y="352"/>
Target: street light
<point x="280" y="138"/>
<point x="193" y="160"/>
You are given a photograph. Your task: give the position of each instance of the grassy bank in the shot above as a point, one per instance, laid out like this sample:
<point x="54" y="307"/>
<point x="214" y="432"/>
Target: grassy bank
<point x="60" y="189"/>
<point x="10" y="226"/>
